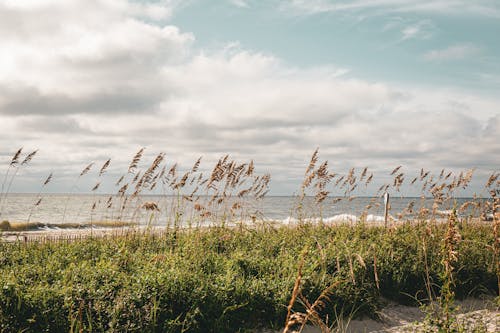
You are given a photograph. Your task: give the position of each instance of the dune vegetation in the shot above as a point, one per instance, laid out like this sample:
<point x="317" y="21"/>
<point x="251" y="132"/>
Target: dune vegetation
<point x="240" y="273"/>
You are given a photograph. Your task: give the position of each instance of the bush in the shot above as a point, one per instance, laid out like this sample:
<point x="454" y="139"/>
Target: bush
<point x="222" y="279"/>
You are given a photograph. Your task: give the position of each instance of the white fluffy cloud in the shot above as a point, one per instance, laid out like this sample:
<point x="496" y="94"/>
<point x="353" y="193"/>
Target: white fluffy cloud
<point x="79" y="49"/>
<point x="453" y="52"/>
<point x="84" y="81"/>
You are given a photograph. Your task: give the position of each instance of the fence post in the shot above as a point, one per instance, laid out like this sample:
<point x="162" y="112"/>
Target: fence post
<point x="386" y="208"/>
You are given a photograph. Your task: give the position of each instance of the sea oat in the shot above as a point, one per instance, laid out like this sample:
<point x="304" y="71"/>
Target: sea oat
<point x="312" y="163"/>
<point x="86" y="169"/>
<point x="29" y="157"/>
<point x="104" y="167"/>
<point x="395" y="170"/>
<point x="15" y="158"/>
<point x="48" y="179"/>
<point x="135" y="160"/>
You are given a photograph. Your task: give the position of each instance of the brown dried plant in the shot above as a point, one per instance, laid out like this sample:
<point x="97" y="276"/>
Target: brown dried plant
<point x="135" y="160"/>
<point x="86" y="169"/>
<point x="14" y="164"/>
<point x="313" y="310"/>
<point x="104" y="167"/>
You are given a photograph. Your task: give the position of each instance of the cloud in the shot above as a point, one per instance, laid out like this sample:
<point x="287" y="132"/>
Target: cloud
<point x="82" y="51"/>
<point x="410" y="28"/>
<point x="369" y="7"/>
<point x="29" y="100"/>
<point x="454" y="52"/>
<point x="239" y="3"/>
<point x="420" y="30"/>
<point x="53" y="125"/>
<point x="104" y="81"/>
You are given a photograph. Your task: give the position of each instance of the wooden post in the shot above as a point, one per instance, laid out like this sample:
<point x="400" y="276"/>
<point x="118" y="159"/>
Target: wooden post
<point x="386" y="208"/>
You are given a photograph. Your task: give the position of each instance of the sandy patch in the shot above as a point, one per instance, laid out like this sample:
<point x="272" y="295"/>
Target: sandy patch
<point x="473" y="315"/>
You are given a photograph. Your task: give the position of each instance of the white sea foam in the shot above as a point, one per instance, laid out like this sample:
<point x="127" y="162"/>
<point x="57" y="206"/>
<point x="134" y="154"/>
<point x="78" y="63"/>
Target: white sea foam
<point x="341" y="218"/>
<point x="444" y="212"/>
<point x="333" y="219"/>
<point x="374" y="218"/>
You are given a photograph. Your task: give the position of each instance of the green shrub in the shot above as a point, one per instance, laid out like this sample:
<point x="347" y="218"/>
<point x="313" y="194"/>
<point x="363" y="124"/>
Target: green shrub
<point x="222" y="279"/>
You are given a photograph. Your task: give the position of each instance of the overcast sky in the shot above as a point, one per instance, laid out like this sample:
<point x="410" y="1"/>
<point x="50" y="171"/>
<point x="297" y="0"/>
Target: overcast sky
<point x="371" y="83"/>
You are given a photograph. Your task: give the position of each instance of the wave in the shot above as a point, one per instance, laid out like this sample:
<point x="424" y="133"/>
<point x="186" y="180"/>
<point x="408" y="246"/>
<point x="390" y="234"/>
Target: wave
<point x="335" y="219"/>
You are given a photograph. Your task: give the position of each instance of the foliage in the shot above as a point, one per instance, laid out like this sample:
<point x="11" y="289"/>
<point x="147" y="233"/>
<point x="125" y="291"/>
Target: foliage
<point x="226" y="279"/>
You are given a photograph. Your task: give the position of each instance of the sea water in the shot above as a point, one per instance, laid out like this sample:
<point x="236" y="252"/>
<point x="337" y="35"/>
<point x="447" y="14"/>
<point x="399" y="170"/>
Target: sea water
<point x="59" y="209"/>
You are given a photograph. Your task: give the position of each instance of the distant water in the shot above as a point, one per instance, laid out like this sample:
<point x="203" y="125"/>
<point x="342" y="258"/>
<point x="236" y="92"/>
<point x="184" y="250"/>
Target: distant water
<point x="59" y="209"/>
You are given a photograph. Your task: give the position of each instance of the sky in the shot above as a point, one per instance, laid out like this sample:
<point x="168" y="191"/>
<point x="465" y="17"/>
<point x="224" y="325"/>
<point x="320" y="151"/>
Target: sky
<point x="375" y="83"/>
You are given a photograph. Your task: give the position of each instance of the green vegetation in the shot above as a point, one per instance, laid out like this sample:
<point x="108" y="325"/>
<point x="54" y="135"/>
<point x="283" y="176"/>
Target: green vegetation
<point x="33" y="226"/>
<point x="234" y="279"/>
<point x="230" y="279"/>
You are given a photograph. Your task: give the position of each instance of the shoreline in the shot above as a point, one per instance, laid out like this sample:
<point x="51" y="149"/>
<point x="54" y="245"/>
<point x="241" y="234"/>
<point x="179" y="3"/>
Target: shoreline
<point x="76" y="231"/>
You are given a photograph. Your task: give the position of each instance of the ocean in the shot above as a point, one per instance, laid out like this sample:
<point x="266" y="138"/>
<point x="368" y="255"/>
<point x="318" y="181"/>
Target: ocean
<point x="60" y="209"/>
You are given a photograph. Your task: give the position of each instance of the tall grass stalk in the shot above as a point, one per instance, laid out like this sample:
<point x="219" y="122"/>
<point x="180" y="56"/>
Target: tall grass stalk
<point x="39" y="197"/>
<point x="15" y="164"/>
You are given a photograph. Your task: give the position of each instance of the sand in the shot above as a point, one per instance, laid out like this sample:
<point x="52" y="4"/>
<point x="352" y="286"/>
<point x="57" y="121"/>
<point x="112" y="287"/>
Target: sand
<point x="474" y="315"/>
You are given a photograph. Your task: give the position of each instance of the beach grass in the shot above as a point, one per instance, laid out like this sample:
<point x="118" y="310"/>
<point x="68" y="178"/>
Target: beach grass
<point x="239" y="273"/>
<point x="229" y="279"/>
